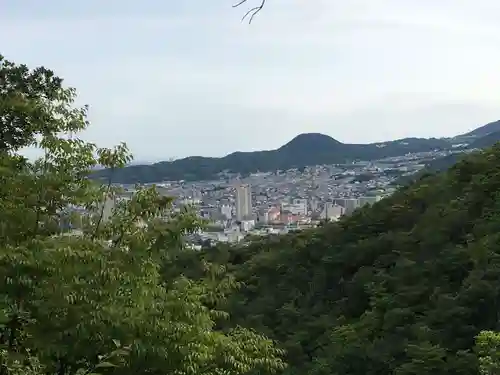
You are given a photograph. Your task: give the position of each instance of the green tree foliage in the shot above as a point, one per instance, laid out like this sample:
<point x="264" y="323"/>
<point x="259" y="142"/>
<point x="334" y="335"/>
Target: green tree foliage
<point x="33" y="103"/>
<point x="402" y="287"/>
<point x="112" y="298"/>
<point x="488" y="350"/>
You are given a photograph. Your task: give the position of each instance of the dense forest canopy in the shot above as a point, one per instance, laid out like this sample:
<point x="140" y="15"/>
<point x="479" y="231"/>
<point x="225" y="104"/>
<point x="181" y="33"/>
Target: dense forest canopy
<point x="409" y="286"/>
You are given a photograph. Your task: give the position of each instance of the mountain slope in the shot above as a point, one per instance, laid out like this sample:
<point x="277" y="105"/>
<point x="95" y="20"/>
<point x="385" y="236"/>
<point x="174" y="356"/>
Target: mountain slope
<point x="445" y="162"/>
<point x="484" y="130"/>
<point x="401" y="288"/>
<point x="486" y="141"/>
<point x="303" y="150"/>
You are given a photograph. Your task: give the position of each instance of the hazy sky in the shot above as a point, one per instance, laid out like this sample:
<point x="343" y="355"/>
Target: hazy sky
<point x="178" y="78"/>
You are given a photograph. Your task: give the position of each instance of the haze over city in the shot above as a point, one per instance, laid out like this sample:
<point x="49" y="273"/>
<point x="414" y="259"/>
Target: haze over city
<point x="174" y="79"/>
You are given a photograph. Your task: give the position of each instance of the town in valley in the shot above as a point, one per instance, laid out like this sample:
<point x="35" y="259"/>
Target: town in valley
<point x="236" y="208"/>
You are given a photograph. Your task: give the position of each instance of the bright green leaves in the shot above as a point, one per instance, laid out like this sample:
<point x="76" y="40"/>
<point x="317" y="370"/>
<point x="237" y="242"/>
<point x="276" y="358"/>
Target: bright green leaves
<point x="68" y="301"/>
<point x="114" y="158"/>
<point x="33" y="103"/>
<point x="488" y="350"/>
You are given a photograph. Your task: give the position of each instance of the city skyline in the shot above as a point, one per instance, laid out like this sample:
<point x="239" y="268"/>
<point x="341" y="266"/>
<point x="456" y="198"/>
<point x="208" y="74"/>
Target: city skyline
<point x="190" y="79"/>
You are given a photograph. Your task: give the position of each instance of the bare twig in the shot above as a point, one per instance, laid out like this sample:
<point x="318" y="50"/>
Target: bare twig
<point x="252" y="12"/>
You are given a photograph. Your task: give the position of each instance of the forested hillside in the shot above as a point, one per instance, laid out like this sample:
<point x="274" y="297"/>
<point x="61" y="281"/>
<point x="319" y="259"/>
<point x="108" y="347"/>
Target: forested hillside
<point x="403" y="287"/>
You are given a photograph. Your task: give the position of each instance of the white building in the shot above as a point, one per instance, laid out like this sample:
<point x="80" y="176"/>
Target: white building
<point x="349" y="204"/>
<point x="299" y="207"/>
<point x="300" y="201"/>
<point x="247" y="225"/>
<point x="263" y="216"/>
<point x="332" y="211"/>
<point x="227" y="211"/>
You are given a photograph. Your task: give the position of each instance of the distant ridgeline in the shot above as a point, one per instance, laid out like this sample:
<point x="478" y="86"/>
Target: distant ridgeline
<point x="304" y="150"/>
<point x="483" y="137"/>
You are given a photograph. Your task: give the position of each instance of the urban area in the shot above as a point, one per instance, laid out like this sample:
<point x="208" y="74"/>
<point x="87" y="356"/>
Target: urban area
<point x="273" y="203"/>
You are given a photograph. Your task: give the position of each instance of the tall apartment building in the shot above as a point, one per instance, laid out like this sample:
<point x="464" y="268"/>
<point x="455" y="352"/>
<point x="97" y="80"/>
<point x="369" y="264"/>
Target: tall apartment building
<point x="243" y="202"/>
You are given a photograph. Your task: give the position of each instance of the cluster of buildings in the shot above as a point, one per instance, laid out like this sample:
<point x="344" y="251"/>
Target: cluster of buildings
<point x="296" y="210"/>
<point x="272" y="203"/>
<point x="263" y="204"/>
<point x="243" y="214"/>
<point x="236" y="208"/>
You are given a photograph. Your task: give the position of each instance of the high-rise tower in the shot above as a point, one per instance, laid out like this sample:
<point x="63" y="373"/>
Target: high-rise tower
<point x="243" y="202"/>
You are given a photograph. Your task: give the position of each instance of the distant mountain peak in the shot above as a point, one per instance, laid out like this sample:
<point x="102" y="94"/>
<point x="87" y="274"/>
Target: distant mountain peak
<point x="311" y="141"/>
<point x="306" y="149"/>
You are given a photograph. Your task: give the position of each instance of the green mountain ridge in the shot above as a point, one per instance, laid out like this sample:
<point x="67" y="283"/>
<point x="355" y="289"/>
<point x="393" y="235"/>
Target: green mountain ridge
<point x="304" y="150"/>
